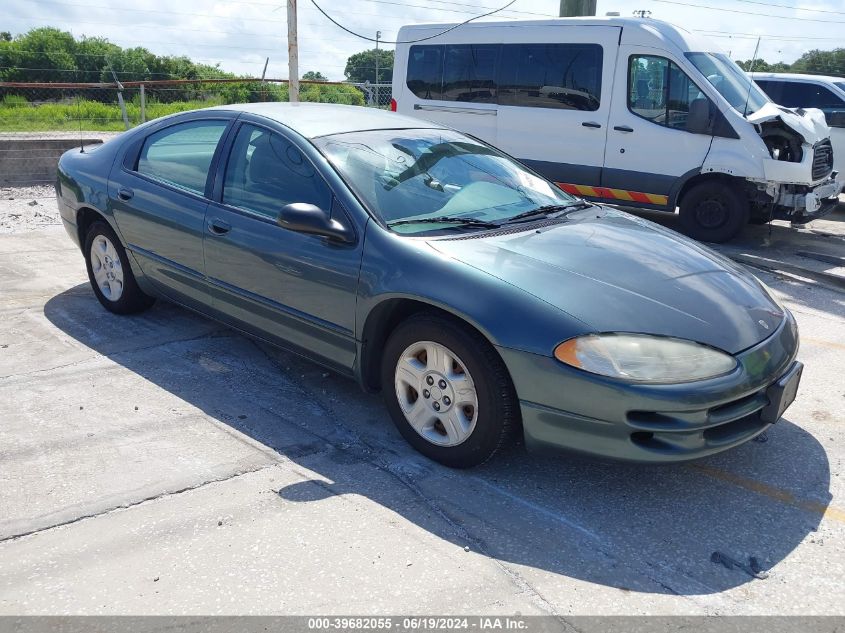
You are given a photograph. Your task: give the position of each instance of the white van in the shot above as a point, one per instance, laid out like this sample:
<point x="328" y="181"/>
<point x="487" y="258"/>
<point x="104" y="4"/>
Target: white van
<point x="627" y="111"/>
<point x="812" y="91"/>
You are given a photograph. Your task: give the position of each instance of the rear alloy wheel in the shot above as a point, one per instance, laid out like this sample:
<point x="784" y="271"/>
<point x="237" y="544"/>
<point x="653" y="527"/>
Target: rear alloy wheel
<point x="713" y="212"/>
<point x="448" y="391"/>
<point x="110" y="274"/>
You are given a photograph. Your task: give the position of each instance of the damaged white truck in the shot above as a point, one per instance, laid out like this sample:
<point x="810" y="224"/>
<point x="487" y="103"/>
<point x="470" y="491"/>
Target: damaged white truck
<point x="635" y="112"/>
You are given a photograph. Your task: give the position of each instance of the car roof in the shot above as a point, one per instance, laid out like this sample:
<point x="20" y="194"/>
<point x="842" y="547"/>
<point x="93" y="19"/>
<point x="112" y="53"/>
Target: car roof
<point x="320" y="119"/>
<point x="827" y="78"/>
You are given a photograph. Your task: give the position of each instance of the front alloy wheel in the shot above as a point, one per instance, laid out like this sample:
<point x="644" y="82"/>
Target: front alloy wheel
<point x="436" y="393"/>
<point x="447" y="390"/>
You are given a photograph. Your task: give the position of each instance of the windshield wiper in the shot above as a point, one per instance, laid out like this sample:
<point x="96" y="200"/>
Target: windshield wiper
<point x="549" y="208"/>
<point x="447" y="220"/>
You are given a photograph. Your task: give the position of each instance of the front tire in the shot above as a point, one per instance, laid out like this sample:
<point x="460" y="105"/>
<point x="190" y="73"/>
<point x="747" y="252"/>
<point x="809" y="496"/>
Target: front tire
<point x="110" y="274"/>
<point x="448" y="391"/>
<point x="713" y="212"/>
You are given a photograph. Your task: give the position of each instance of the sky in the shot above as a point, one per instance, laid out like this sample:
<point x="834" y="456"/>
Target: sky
<point x="240" y="34"/>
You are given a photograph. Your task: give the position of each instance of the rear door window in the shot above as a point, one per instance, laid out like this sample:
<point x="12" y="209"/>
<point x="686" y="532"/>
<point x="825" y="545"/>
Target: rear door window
<point x="469" y="73"/>
<point x="181" y="154"/>
<point x="562" y="76"/>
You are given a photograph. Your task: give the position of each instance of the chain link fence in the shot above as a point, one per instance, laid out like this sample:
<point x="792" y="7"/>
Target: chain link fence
<point x="39" y="121"/>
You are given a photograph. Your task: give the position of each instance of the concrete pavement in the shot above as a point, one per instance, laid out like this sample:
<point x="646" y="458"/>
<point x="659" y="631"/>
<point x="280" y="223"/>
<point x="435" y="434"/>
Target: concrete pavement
<point x="162" y="464"/>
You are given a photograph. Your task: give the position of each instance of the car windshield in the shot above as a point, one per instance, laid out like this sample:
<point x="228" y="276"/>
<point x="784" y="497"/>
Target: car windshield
<point x="423" y="181"/>
<point x="730" y="80"/>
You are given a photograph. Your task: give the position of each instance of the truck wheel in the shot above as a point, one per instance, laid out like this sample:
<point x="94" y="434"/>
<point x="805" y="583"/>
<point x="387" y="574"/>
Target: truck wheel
<point x="713" y="212"/>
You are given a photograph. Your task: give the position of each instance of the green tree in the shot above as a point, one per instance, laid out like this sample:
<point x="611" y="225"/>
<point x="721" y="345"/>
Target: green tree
<point x="362" y="66"/>
<point x="5" y="36"/>
<point x="818" y="62"/>
<point x="314" y="75"/>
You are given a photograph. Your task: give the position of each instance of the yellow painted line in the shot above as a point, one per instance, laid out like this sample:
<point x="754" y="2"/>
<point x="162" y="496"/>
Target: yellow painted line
<point x="778" y="494"/>
<point x="822" y="342"/>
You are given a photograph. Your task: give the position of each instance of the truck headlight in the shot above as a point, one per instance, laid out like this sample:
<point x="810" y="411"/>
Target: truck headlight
<point x="645" y="358"/>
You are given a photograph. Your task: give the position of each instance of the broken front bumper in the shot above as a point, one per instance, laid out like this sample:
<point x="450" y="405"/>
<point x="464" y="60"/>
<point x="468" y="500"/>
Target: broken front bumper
<point x="801" y="203"/>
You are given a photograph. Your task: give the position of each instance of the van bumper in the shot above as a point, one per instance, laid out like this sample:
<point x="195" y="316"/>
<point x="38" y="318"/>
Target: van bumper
<point x="801" y="204"/>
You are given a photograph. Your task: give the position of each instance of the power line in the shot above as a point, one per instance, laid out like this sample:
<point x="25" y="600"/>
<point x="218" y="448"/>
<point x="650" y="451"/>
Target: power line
<point x="763" y="35"/>
<point x="787" y="6"/>
<point x="422" y="39"/>
<point x="765" y="15"/>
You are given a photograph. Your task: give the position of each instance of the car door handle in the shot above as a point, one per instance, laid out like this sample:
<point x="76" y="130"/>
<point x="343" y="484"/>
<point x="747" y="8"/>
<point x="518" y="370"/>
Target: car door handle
<point x="623" y="128"/>
<point x="125" y="194"/>
<point x="219" y="227"/>
<point x="591" y="124"/>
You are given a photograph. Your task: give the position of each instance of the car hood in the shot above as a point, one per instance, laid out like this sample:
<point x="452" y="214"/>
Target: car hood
<point x="811" y="124"/>
<point x="618" y="273"/>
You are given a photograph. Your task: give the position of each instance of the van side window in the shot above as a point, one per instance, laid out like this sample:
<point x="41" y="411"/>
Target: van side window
<point x="469" y="72"/>
<point x="564" y="76"/>
<point x="659" y="91"/>
<point x="425" y="71"/>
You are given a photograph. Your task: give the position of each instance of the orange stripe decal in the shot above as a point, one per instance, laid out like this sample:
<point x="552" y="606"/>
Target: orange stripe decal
<point x="613" y="194"/>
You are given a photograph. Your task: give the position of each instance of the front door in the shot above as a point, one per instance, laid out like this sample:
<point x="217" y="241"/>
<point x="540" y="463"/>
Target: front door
<point x="649" y="140"/>
<point x="296" y="289"/>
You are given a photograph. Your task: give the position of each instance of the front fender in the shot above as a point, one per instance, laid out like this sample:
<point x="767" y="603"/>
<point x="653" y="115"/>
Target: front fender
<point x="397" y="267"/>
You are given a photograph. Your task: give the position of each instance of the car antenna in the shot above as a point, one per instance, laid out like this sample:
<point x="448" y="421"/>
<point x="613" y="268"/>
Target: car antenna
<point x="750" y="78"/>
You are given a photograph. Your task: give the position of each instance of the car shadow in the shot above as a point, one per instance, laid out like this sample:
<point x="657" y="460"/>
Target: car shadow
<point x="637" y="528"/>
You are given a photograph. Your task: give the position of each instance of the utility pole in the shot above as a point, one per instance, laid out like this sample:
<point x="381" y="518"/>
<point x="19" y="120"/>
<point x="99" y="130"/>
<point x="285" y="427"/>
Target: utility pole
<point x="293" y="55"/>
<point x="378" y="35"/>
<point x="575" y="8"/>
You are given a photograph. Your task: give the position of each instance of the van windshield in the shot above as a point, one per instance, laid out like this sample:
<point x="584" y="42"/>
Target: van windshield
<point x="730" y="80"/>
<point x="430" y="180"/>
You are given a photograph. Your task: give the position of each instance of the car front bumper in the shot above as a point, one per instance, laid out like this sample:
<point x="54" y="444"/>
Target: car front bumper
<point x="564" y="408"/>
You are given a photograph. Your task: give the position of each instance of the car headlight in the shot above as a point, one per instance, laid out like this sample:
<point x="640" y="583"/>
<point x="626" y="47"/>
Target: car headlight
<point x="645" y="358"/>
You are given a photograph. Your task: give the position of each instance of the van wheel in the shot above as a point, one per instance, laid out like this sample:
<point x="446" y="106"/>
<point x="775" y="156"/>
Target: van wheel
<point x="713" y="212"/>
<point x="110" y="274"/>
<point x="448" y="391"/>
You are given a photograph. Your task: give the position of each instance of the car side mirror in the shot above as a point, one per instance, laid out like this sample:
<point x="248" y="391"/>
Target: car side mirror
<point x="303" y="217"/>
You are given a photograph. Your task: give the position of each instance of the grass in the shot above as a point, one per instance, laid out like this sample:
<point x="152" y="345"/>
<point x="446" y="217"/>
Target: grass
<point x="18" y="115"/>
<point x="92" y="115"/>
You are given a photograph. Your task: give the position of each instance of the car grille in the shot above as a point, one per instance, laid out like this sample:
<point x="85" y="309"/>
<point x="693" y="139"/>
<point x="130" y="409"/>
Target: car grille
<point x="822" y="159"/>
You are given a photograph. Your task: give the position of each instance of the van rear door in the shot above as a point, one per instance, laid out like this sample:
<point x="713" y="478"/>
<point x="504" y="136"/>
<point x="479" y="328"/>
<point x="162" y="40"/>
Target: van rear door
<point x="555" y="85"/>
<point x="658" y="129"/>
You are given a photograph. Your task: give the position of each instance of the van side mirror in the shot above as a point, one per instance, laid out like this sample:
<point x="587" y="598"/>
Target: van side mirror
<point x="699" y="117"/>
<point x="836" y="119"/>
<point x="303" y="217"/>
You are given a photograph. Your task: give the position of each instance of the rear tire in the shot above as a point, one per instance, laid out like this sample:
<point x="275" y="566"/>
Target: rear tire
<point x="713" y="212"/>
<point x="448" y="391"/>
<point x="110" y="274"/>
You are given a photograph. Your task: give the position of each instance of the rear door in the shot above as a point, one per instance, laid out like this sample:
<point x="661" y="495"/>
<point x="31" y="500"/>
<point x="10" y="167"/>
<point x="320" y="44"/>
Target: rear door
<point x="455" y="84"/>
<point x="159" y="195"/>
<point x="554" y="98"/>
<point x="649" y="145"/>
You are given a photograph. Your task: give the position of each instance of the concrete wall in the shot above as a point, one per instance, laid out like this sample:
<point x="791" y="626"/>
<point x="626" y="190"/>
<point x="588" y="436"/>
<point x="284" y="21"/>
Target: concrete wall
<point x="33" y="161"/>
